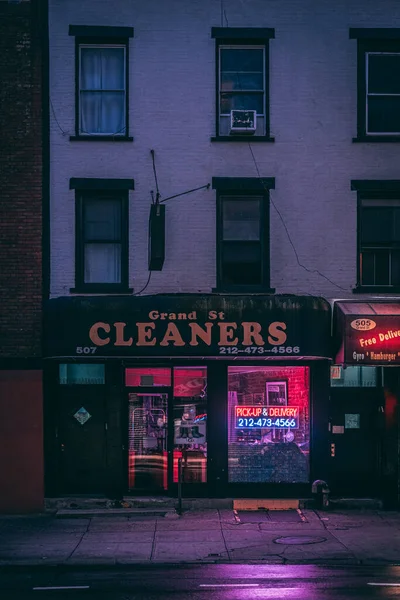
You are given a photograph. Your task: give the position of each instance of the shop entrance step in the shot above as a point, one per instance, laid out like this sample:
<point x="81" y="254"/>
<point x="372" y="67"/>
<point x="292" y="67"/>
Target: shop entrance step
<point x="266" y="504"/>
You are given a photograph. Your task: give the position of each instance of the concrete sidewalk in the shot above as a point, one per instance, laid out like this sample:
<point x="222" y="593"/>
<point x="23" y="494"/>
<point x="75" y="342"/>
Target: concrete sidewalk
<point x="367" y="537"/>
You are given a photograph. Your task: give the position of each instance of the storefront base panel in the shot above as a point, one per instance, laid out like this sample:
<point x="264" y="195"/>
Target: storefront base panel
<point x="21" y="441"/>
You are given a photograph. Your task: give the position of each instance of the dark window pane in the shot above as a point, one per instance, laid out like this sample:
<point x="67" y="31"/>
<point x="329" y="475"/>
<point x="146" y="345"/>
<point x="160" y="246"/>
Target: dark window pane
<point x="242" y="59"/>
<point x="242" y="102"/>
<point x="242" y="81"/>
<point x="367" y="268"/>
<point x="383" y="114"/>
<point x="102" y="219"/>
<point x="75" y="374"/>
<point x="376" y="225"/>
<point x="241" y="219"/>
<point x="241" y="263"/>
<point x="382" y="268"/>
<point x="395" y="267"/>
<point x="384" y="73"/>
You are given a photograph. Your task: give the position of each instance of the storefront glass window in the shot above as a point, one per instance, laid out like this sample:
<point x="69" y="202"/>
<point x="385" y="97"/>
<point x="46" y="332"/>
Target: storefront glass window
<point x="148" y="441"/>
<point x="356" y="376"/>
<point x="190" y="423"/>
<point x="269" y="426"/>
<point x="81" y="374"/>
<point x="148" y="377"/>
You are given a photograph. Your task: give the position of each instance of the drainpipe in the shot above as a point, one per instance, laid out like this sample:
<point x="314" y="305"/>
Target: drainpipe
<point x="321" y="490"/>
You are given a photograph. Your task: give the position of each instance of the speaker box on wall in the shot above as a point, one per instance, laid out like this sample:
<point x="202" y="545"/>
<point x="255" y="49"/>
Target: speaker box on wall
<point x="156" y="237"/>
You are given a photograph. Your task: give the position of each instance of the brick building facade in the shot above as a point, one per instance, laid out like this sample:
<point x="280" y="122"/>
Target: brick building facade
<point x="21" y="256"/>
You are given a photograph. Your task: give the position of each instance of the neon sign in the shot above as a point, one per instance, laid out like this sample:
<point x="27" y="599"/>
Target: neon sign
<point x="262" y="417"/>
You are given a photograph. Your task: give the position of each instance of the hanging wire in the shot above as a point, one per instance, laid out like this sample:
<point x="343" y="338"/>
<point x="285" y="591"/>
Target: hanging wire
<point x="202" y="187"/>
<point x="147" y="283"/>
<point x="288" y="234"/>
<point x="88" y="133"/>
<point x="158" y="195"/>
<point x="56" y="120"/>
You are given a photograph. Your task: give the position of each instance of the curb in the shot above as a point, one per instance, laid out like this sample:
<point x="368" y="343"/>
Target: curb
<point x="125" y="565"/>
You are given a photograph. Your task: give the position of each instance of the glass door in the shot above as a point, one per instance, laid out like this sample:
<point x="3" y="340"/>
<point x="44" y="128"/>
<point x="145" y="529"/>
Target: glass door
<point x="148" y="436"/>
<point x="189" y="407"/>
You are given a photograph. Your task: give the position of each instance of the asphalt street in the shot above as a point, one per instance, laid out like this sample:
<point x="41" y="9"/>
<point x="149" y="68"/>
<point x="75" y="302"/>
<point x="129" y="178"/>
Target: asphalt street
<point x="202" y="582"/>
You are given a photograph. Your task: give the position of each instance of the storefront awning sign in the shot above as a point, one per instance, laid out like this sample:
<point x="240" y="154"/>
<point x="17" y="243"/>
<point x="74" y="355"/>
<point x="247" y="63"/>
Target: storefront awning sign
<point x="367" y="333"/>
<point x="199" y="325"/>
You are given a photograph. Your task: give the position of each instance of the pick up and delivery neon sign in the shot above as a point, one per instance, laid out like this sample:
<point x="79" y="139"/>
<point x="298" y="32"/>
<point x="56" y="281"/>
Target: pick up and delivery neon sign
<point x="262" y="417"/>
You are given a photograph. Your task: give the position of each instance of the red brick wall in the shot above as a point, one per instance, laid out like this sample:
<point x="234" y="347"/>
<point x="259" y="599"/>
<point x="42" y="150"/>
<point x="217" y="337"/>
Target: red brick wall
<point x="20" y="180"/>
<point x="21" y="445"/>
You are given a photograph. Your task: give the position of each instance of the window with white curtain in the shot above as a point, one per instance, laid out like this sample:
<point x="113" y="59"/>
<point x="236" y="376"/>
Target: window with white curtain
<point x="102" y="90"/>
<point x="101" y="257"/>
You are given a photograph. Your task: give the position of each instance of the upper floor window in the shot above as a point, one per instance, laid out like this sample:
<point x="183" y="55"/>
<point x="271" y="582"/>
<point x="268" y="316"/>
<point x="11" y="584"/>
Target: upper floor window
<point x="102" y="103"/>
<point x="242" y="83"/>
<point x="378" y="84"/>
<point x="101" y="254"/>
<point x="378" y="235"/>
<point x="382" y="93"/>
<point x="242" y="234"/>
<point x="380" y="242"/>
<point x="102" y="90"/>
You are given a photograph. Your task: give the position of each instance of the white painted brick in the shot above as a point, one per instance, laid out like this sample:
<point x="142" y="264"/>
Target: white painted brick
<point x="172" y="110"/>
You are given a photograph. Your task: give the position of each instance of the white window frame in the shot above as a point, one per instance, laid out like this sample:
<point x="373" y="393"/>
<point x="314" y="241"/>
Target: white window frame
<point x="367" y="94"/>
<point x="124" y="131"/>
<point x="240" y="47"/>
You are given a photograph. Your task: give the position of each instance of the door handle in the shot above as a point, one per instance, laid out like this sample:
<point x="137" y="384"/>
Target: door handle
<point x="333" y="450"/>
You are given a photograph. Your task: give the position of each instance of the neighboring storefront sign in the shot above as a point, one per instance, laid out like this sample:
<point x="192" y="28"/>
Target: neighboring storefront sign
<point x="369" y="339"/>
<point x="226" y="326"/>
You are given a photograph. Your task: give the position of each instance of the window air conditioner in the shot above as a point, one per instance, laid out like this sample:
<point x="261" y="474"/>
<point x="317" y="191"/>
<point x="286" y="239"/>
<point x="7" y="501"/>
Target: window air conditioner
<point x="243" y="121"/>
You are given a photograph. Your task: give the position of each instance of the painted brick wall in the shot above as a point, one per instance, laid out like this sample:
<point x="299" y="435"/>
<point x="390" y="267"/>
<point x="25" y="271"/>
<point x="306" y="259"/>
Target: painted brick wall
<point x="172" y="110"/>
<point x="20" y="181"/>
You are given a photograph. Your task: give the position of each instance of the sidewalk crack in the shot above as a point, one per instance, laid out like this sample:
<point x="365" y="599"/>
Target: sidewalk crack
<point x="79" y="541"/>
<point x="337" y="539"/>
<point x="154" y="541"/>
<point x="223" y="537"/>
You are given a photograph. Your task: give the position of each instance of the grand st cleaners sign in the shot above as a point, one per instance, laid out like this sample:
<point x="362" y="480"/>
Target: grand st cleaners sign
<point x="210" y="325"/>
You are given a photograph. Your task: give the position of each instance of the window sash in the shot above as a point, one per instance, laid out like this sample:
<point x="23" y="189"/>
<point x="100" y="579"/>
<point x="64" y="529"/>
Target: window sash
<point x="392" y="213"/>
<point x="227" y="235"/>
<point x="250" y="91"/>
<point x="379" y="253"/>
<point x="106" y="260"/>
<point x="369" y="94"/>
<point x="259" y="248"/>
<point x="102" y="95"/>
<point x="116" y="235"/>
<point x="106" y="254"/>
